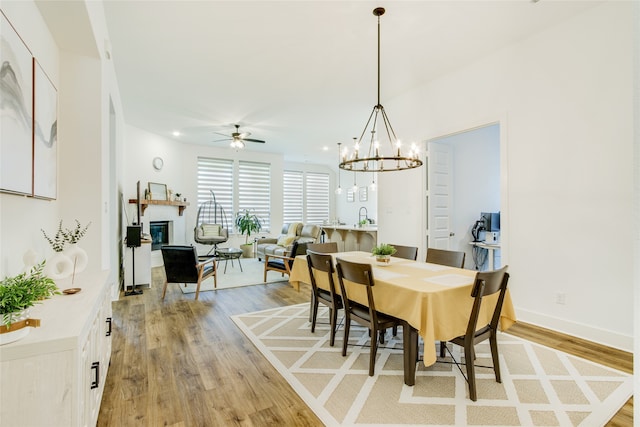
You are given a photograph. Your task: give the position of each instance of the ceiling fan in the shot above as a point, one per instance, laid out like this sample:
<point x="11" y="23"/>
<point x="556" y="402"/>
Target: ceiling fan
<point x="238" y="139"/>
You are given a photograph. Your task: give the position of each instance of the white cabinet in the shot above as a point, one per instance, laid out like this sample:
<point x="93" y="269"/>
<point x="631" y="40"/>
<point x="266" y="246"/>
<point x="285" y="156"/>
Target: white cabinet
<point x="55" y="375"/>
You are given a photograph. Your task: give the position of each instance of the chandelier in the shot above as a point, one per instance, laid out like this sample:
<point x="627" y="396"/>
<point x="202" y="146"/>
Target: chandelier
<point x="376" y="158"/>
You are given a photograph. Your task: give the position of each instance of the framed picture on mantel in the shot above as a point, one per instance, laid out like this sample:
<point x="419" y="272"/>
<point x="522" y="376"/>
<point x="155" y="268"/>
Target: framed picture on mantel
<point x="158" y="191"/>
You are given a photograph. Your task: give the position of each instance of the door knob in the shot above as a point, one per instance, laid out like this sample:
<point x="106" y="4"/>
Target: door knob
<point x="451" y="234"/>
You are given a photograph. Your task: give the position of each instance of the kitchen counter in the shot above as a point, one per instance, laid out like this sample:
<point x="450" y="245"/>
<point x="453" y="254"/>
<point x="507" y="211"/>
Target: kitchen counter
<point x="352" y="238"/>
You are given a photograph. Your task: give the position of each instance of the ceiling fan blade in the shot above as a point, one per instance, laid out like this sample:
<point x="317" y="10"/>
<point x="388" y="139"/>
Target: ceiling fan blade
<point x="224" y="139"/>
<point x="244" y="135"/>
<point x="223" y="134"/>
<point x="254" y="140"/>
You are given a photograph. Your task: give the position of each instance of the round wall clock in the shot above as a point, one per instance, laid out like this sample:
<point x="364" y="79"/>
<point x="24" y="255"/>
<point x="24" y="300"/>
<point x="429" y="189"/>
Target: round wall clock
<point x="158" y="163"/>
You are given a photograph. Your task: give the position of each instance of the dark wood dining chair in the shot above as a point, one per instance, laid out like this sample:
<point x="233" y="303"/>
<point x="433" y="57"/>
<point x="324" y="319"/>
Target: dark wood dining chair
<point x="486" y="283"/>
<point x="406" y="252"/>
<point x="323" y="248"/>
<point x="181" y="265"/>
<point x="322" y="264"/>
<point x="445" y="257"/>
<point x="365" y="315"/>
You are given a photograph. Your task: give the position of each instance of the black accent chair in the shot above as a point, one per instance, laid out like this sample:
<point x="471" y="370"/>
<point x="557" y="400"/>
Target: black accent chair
<point x="323" y="265"/>
<point x="365" y="315"/>
<point x="283" y="263"/>
<point x="486" y="283"/>
<point x="445" y="257"/>
<point x="181" y="265"/>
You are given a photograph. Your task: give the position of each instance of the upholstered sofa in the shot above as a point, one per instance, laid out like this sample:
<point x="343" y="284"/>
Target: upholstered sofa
<point x="283" y="243"/>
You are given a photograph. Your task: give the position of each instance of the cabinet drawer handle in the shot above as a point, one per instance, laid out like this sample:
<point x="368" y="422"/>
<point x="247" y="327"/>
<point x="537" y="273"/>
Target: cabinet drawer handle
<point x="109" y="323"/>
<point x="96" y="381"/>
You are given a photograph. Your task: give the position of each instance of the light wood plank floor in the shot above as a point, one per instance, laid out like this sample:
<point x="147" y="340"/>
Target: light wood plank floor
<point x="184" y="363"/>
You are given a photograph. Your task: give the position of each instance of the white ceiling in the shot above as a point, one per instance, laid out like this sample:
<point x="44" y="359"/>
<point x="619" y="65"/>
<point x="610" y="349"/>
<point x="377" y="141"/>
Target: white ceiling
<point x="299" y="74"/>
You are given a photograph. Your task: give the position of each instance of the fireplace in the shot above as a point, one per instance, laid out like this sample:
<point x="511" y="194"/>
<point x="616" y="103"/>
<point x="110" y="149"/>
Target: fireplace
<point x="160" y="232"/>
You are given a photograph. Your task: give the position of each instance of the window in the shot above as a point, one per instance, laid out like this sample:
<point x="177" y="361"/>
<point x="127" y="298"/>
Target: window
<point x="216" y="175"/>
<point x="306" y="197"/>
<point x="249" y="188"/>
<point x="317" y="198"/>
<point x="254" y="190"/>
<point x="293" y="197"/>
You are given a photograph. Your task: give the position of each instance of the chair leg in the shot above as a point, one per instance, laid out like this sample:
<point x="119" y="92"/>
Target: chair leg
<point x="314" y="315"/>
<point x="493" y="341"/>
<point x="164" y="289"/>
<point x="265" y="270"/>
<point x="345" y="340"/>
<point x="333" y="315"/>
<point x="313" y="298"/>
<point x="443" y="348"/>
<point x="372" y="351"/>
<point x="198" y="290"/>
<point x="469" y="356"/>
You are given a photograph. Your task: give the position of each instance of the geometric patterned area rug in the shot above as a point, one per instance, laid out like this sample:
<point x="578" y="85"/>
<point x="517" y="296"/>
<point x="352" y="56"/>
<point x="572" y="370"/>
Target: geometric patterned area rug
<point x="540" y="386"/>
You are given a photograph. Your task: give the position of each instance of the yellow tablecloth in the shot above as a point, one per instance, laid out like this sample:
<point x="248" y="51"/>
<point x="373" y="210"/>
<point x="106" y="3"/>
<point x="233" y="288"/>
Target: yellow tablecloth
<point x="434" y="299"/>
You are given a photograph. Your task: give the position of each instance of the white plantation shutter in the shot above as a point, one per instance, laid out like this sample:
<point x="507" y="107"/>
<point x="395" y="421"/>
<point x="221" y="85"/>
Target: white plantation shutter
<point x="216" y="175"/>
<point x="317" y="198"/>
<point x="254" y="190"/>
<point x="293" y="197"/>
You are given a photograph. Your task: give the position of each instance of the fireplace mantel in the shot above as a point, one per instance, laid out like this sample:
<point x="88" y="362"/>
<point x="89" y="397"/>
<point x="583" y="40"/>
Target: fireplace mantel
<point x="144" y="203"/>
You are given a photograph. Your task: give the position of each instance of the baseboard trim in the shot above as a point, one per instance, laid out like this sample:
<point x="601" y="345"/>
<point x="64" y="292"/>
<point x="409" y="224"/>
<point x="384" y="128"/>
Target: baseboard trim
<point x="586" y="332"/>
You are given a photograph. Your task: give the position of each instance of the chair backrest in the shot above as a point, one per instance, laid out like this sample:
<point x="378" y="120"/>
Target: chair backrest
<point x="360" y="274"/>
<point x="180" y="263"/>
<point x="323" y="248"/>
<point x="445" y="257"/>
<point x="297" y="249"/>
<point x="487" y="283"/>
<point x="324" y="263"/>
<point x="406" y="252"/>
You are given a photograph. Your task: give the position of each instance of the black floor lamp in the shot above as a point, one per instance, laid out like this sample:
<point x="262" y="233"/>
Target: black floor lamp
<point x="134" y="240"/>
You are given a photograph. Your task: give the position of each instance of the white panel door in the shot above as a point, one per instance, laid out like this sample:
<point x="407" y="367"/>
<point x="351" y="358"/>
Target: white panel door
<point x="440" y="195"/>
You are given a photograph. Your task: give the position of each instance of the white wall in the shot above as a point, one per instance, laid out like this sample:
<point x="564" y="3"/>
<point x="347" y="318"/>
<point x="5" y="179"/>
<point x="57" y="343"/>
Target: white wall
<point x="85" y="82"/>
<point x="563" y="99"/>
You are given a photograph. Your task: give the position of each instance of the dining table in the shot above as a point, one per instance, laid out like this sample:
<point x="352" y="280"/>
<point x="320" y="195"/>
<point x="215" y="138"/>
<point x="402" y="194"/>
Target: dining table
<point x="433" y="301"/>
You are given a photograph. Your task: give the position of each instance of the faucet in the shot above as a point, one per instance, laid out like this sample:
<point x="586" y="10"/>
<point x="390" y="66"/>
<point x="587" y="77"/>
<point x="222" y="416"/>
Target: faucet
<point x="361" y="216"/>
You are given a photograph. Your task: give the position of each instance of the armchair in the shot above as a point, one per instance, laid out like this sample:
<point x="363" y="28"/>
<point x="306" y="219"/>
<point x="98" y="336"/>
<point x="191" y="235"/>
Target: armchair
<point x="181" y="265"/>
<point x="283" y="263"/>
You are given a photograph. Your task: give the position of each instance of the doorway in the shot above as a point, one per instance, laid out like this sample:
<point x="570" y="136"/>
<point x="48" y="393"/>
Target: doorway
<point x="463" y="180"/>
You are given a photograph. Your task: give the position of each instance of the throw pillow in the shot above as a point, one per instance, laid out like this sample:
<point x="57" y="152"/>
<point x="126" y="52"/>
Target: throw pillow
<point x="293" y="228"/>
<point x="285" y="240"/>
<point x="210" y="230"/>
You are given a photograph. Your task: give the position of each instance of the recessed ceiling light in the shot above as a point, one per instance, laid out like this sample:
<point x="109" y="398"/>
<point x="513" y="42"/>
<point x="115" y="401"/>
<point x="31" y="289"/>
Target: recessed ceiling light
<point x="176" y="133"/>
<point x="325" y="148"/>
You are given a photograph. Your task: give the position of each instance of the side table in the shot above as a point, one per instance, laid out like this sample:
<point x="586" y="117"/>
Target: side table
<point x="227" y="254"/>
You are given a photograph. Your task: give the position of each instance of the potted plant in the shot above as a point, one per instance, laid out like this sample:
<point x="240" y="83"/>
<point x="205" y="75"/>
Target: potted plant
<point x="17" y="295"/>
<point x="383" y="253"/>
<point x="247" y="223"/>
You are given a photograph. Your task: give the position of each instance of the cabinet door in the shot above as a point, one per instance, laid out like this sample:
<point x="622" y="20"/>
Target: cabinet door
<point x="89" y="395"/>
